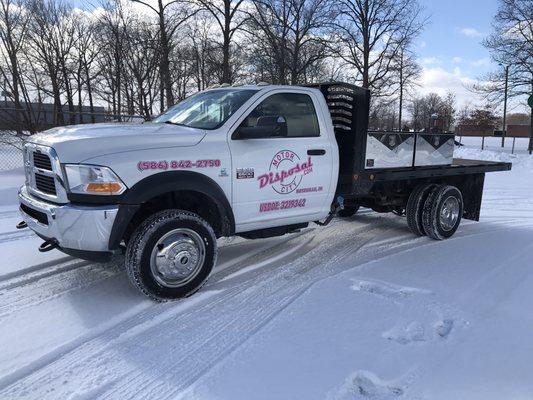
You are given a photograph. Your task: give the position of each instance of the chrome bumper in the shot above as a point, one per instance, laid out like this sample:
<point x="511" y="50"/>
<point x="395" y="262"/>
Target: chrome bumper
<point x="85" y="228"/>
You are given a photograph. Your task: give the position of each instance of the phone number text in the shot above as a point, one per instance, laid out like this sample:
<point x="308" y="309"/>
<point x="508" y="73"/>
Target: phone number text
<point x="177" y="164"/>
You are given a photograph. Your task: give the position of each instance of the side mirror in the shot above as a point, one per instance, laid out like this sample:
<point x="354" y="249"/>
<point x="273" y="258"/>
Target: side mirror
<point x="266" y="127"/>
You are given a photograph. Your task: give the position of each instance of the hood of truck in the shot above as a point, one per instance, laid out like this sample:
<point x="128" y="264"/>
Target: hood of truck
<point x="77" y="143"/>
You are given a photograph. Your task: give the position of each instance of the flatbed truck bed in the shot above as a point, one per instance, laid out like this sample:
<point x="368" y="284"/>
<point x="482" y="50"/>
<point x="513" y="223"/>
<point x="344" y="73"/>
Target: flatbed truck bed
<point x="459" y="166"/>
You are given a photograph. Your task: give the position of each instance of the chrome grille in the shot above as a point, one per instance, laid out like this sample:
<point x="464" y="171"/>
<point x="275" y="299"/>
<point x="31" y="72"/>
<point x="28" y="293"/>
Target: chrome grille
<point x="43" y="173"/>
<point x="45" y="184"/>
<point x="42" y="161"/>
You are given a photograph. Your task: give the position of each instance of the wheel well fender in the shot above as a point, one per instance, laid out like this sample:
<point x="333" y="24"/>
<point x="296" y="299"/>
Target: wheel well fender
<point x="171" y="182"/>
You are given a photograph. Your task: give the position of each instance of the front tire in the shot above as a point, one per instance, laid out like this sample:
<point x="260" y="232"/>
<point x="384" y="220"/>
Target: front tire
<point x="442" y="212"/>
<point x="171" y="254"/>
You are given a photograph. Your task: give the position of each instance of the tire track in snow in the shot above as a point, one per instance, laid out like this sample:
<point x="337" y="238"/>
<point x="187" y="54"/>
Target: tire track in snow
<point x="276" y="294"/>
<point x="15" y="295"/>
<point x="400" y="243"/>
<point x="134" y="316"/>
<point x="123" y="340"/>
<point x="9" y="214"/>
<point x="36" y="273"/>
<point x="92" y="361"/>
<point x="52" y="279"/>
<point x="20" y="274"/>
<point x="16" y="235"/>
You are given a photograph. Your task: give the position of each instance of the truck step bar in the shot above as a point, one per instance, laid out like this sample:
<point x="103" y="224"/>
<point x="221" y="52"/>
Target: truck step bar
<point x="337" y="206"/>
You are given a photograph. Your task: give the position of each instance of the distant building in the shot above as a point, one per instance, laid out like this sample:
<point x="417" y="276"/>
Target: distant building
<point x="488" y="130"/>
<point x="474" y="130"/>
<point x="518" y="130"/>
<point x="43" y="115"/>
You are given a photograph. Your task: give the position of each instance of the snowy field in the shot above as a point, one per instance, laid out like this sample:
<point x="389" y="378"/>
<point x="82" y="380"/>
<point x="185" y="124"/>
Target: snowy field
<point x="360" y="309"/>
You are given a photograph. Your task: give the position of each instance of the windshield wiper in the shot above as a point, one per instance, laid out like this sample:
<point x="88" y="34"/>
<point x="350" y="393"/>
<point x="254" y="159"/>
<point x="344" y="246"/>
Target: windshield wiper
<point x="175" y="123"/>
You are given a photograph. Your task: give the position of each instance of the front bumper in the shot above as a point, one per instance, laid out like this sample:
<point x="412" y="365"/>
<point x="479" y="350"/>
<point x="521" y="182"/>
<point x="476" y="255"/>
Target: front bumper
<point x="74" y="227"/>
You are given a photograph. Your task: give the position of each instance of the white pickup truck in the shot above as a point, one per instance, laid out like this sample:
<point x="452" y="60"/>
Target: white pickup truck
<point x="254" y="161"/>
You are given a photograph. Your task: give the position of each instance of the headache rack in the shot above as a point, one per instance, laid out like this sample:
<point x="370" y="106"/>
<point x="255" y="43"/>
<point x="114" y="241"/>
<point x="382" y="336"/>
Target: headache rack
<point x="349" y="108"/>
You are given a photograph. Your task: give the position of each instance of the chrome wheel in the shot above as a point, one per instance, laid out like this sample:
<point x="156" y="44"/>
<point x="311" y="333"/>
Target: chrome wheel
<point x="449" y="213"/>
<point x="177" y="257"/>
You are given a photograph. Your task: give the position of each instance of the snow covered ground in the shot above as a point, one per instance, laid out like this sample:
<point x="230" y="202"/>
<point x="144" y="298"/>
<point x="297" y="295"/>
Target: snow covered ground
<point x="360" y="309"/>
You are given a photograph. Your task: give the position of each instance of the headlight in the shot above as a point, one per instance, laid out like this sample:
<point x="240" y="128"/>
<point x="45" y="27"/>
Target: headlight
<point x="92" y="179"/>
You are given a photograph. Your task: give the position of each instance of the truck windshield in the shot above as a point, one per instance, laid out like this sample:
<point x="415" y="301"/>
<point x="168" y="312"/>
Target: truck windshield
<point x="206" y="110"/>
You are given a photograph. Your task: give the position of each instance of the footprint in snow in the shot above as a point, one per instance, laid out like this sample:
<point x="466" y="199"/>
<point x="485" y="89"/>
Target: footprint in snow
<point x="365" y="385"/>
<point x="387" y="290"/>
<point x="415" y="332"/>
<point x="444" y="327"/>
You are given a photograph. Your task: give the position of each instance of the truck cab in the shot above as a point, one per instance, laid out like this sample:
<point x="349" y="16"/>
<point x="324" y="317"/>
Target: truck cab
<point x="251" y="160"/>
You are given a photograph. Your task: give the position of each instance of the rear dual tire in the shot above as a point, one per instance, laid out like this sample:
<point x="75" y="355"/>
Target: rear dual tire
<point x="415" y="207"/>
<point x="434" y="210"/>
<point x="442" y="212"/>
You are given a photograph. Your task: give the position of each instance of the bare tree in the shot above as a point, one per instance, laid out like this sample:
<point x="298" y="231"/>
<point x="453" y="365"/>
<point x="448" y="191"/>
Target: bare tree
<point x="171" y="15"/>
<point x="86" y="54"/>
<point x="183" y="71"/>
<point x="50" y="39"/>
<point x="289" y="36"/>
<point x="13" y="30"/>
<point x="372" y="34"/>
<point x="383" y="115"/>
<point x="511" y="45"/>
<point x="226" y="14"/>
<point x="142" y="65"/>
<point x="423" y="109"/>
<point x="111" y="64"/>
<point x="204" y="54"/>
<point x="464" y="112"/>
<point x="407" y="72"/>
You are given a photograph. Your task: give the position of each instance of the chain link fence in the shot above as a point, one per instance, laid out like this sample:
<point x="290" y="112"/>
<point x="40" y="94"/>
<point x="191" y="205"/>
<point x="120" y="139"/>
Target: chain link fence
<point x="10" y="151"/>
<point x="11" y="143"/>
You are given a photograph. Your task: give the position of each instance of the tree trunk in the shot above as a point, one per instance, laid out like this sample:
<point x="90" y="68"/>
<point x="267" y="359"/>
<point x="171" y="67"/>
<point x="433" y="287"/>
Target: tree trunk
<point x="366" y="47"/>
<point x="294" y="63"/>
<point x="90" y="93"/>
<point x="164" y="65"/>
<point x="226" y="70"/>
<point x="80" y="101"/>
<point x="401" y="94"/>
<point x="68" y="93"/>
<point x="58" y="108"/>
<point x="118" y="88"/>
<point x="16" y="96"/>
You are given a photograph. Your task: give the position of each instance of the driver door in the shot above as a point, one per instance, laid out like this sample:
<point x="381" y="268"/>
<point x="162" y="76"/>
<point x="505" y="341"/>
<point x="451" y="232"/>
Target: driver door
<point x="280" y="178"/>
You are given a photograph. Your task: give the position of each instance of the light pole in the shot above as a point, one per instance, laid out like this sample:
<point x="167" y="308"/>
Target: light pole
<point x="504" y="129"/>
<point x="530" y="103"/>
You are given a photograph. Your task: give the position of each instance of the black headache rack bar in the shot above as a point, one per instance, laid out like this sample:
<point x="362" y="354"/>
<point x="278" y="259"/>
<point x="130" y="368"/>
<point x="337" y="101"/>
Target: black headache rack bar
<point x="349" y="106"/>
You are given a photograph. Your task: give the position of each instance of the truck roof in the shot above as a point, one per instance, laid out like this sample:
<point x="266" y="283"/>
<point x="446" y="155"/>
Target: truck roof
<point x="259" y="86"/>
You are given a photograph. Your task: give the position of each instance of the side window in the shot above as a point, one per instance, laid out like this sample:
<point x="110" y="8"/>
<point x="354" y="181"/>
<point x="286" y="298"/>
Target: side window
<point x="297" y="110"/>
